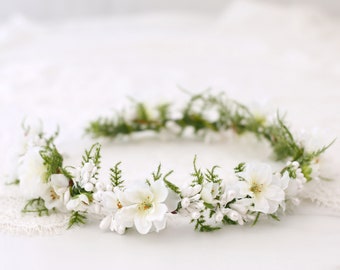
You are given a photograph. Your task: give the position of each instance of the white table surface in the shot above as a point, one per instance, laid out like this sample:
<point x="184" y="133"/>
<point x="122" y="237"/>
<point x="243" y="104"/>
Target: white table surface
<point x="68" y="73"/>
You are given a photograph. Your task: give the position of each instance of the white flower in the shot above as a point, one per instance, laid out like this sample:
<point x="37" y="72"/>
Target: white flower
<point x="85" y="176"/>
<point x="78" y="203"/>
<point x="259" y="185"/>
<point x="57" y="194"/>
<point x="209" y="192"/>
<point x="33" y="129"/>
<point x="32" y="173"/>
<point x="191" y="202"/>
<point x="144" y="207"/>
<point x="237" y="211"/>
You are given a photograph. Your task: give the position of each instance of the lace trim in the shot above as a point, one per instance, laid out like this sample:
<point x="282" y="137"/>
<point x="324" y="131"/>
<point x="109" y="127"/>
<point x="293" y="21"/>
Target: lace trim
<point x="14" y="222"/>
<point x="323" y="193"/>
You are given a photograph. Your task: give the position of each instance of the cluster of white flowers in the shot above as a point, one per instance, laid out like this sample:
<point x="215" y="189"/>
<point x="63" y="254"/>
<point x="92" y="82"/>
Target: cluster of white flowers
<point x="33" y="182"/>
<point x="252" y="190"/>
<point x="143" y="206"/>
<point x="85" y="178"/>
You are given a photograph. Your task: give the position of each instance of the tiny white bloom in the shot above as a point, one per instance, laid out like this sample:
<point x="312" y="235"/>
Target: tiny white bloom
<point x="191" y="202"/>
<point x="78" y="203"/>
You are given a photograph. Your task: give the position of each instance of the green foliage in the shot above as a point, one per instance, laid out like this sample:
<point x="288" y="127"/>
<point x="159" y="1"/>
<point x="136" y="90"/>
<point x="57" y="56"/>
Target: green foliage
<point x="76" y="218"/>
<point x="202" y="226"/>
<point x="210" y="175"/>
<point x="36" y="206"/>
<point x="275" y="217"/>
<point x="53" y="161"/>
<point x="197" y="174"/>
<point x="116" y="176"/>
<point x="256" y="218"/>
<point x="157" y="175"/>
<point x="172" y="186"/>
<point x="92" y="154"/>
<point x="15" y="182"/>
<point x="240" y="167"/>
<point x="230" y="115"/>
<point x="228" y="221"/>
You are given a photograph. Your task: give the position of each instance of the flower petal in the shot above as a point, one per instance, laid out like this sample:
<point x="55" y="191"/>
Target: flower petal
<point x="59" y="180"/>
<point x="274" y="193"/>
<point x="143" y="225"/>
<point x="261" y="205"/>
<point x="105" y="223"/>
<point x="159" y="225"/>
<point x="125" y="216"/>
<point x="138" y="194"/>
<point x="158" y="213"/>
<point x="159" y="190"/>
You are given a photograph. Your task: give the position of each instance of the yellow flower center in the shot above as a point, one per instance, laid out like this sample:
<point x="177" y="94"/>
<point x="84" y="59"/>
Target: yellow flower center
<point x="256" y="188"/>
<point x="145" y="205"/>
<point x="54" y="195"/>
<point x="119" y="205"/>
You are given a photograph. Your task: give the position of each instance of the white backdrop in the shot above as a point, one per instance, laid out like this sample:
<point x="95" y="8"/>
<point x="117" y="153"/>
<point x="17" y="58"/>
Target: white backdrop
<point x="55" y="9"/>
<point x="69" y="72"/>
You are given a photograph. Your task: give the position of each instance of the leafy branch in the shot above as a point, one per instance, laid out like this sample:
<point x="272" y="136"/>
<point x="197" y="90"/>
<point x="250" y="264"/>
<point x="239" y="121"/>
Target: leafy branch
<point x="116" y="176"/>
<point x="36" y="206"/>
<point x="76" y="219"/>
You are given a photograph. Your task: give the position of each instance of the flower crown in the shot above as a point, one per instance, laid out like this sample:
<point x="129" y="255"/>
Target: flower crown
<point x="209" y="201"/>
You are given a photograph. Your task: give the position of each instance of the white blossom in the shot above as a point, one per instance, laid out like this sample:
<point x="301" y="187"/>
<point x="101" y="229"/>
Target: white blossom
<point x="32" y="173"/>
<point x="142" y="206"/>
<point x="191" y="202"/>
<point x="78" y="203"/>
<point x="57" y="194"/>
<point x="259" y="185"/>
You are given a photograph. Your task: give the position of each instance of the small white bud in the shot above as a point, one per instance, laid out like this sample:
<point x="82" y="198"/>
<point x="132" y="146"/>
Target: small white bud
<point x="196" y="189"/>
<point x="120" y="229"/>
<point x="100" y="186"/>
<point x="195" y="215"/>
<point x="231" y="194"/>
<point x="105" y="223"/>
<point x="88" y="187"/>
<point x="219" y="217"/>
<point x="185" y="202"/>
<point x="296" y="164"/>
<point x="196" y="197"/>
<point x="295" y="201"/>
<point x="233" y="215"/>
<point x="93" y="180"/>
<point x="200" y="205"/>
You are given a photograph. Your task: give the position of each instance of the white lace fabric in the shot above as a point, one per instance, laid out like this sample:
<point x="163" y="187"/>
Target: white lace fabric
<point x="13" y="221"/>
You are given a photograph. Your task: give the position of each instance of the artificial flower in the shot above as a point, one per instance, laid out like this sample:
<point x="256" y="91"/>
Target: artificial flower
<point x="143" y="206"/>
<point x="32" y="174"/>
<point x="57" y="194"/>
<point x="259" y="185"/>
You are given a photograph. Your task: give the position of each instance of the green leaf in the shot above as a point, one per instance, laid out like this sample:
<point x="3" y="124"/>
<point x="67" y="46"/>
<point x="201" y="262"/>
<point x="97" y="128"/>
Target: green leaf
<point x="36" y="206"/>
<point x="172" y="186"/>
<point x="116" y="176"/>
<point x="76" y="219"/>
<point x="274" y="217"/>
